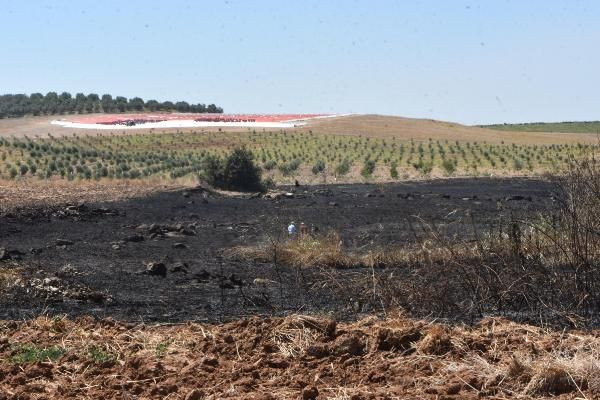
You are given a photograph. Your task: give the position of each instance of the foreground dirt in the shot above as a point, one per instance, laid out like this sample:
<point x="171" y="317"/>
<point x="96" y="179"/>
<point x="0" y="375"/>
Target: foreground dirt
<point x="294" y="358"/>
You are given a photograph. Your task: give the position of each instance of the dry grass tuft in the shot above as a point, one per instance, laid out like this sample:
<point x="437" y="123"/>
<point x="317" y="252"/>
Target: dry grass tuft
<point x="339" y="394"/>
<point x="8" y="277"/>
<point x="293" y="342"/>
<point x="303" y="251"/>
<point x="297" y="333"/>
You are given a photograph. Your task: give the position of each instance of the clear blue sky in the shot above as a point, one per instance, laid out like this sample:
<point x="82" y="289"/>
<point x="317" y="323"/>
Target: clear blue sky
<point x="466" y="61"/>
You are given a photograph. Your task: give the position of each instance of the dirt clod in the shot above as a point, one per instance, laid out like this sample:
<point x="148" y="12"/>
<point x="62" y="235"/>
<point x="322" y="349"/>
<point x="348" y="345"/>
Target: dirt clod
<point x="195" y="394"/>
<point x="399" y="340"/>
<point x="310" y="393"/>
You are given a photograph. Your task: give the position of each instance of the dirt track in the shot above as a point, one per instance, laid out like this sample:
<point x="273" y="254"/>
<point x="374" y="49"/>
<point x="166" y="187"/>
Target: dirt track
<point x="90" y="259"/>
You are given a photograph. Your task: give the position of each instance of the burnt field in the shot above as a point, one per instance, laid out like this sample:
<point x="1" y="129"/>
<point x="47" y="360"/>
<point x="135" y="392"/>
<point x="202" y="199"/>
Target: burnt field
<point x="92" y="258"/>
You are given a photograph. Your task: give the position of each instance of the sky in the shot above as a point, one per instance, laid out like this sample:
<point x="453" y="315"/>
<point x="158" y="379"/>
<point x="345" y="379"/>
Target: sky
<point x="473" y="62"/>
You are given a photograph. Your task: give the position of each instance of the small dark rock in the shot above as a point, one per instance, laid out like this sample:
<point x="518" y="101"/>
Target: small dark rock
<point x="226" y="285"/>
<point x="156" y="269"/>
<point x="180" y="267"/>
<point x="236" y="281"/>
<point x="211" y="361"/>
<point x="179" y="246"/>
<point x="64" y="242"/>
<point x="202" y="275"/>
<point x="104" y="211"/>
<point x="134" y="238"/>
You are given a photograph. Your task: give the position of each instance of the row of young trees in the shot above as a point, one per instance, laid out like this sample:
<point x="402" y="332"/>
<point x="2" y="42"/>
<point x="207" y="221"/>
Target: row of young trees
<point x="19" y="105"/>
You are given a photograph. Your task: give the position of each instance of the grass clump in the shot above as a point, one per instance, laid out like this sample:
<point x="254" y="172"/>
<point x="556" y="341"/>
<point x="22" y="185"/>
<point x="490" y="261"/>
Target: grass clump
<point x="30" y="353"/>
<point x="100" y="356"/>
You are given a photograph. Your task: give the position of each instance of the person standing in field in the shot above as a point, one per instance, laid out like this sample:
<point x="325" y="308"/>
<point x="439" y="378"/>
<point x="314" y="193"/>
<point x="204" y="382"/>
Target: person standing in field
<point x="292" y="229"/>
<point x="303" y="229"/>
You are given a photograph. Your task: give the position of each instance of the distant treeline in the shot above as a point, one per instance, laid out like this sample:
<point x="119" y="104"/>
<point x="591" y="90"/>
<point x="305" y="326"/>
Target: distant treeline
<point x="560" y="127"/>
<point x="19" y="105"/>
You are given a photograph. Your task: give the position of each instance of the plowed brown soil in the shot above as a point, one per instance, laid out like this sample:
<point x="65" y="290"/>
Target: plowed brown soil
<point x="296" y="358"/>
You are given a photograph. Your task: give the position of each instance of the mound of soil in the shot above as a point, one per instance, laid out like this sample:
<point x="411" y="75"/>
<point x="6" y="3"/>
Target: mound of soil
<point x="294" y="357"/>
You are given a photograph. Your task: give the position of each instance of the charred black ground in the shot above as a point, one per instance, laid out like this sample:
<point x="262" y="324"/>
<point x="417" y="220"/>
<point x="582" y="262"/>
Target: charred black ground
<point x="90" y="258"/>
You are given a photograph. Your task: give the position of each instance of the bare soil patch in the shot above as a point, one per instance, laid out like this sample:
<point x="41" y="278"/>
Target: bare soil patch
<point x="295" y="357"/>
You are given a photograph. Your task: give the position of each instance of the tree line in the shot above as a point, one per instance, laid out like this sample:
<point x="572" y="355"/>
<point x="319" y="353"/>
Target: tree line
<point x="52" y="103"/>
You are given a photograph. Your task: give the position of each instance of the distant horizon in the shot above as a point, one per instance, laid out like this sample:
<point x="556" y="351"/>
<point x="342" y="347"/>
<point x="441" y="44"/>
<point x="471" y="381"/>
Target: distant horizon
<point x="225" y="112"/>
<point x="473" y="63"/>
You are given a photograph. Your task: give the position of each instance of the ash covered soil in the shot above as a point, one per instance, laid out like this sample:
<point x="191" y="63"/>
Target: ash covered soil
<point x="92" y="259"/>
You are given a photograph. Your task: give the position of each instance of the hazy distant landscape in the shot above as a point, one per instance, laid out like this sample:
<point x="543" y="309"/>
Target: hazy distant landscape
<point x="562" y="127"/>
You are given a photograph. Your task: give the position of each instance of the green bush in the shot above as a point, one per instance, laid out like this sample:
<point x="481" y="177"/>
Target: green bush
<point x="394" y="170"/>
<point x="240" y="172"/>
<point x="289" y="168"/>
<point x="212" y="170"/>
<point x="343" y="168"/>
<point x="449" y="167"/>
<point x="319" y="167"/>
<point x="368" y="168"/>
<point x="269" y="165"/>
<point x="236" y="172"/>
<point x="517" y="164"/>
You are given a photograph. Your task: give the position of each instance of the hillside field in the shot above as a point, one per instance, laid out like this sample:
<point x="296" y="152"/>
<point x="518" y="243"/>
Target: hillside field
<point x="344" y="149"/>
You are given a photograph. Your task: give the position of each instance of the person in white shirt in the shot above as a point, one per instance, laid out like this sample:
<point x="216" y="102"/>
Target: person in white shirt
<point x="292" y="229"/>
